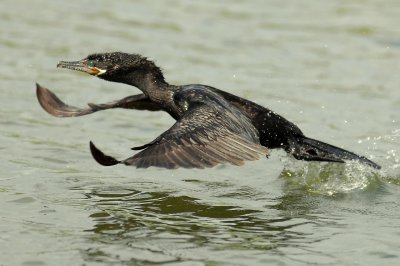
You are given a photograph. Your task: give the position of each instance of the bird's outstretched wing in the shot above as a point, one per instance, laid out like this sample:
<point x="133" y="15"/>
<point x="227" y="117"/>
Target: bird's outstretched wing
<point x="56" y="107"/>
<point x="204" y="137"/>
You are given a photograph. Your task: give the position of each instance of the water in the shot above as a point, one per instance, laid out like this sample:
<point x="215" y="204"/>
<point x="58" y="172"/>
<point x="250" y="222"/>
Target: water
<point x="332" y="68"/>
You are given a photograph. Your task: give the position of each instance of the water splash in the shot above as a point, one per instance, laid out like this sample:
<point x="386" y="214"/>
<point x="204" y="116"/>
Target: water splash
<point x="392" y="154"/>
<point x="390" y="144"/>
<point x="328" y="178"/>
<point x="333" y="178"/>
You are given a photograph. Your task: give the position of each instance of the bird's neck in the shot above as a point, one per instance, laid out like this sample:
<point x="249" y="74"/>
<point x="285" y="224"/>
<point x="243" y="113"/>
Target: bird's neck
<point x="154" y="86"/>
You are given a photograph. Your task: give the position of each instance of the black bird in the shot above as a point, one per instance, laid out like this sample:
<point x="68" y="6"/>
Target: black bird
<point x="213" y="126"/>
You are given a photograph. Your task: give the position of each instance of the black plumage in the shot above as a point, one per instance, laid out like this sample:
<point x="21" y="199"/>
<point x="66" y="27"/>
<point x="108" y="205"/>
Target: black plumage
<point x="212" y="127"/>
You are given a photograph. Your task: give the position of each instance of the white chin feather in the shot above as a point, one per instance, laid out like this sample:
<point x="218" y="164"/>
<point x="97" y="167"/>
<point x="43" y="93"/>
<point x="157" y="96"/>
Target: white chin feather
<point x="101" y="71"/>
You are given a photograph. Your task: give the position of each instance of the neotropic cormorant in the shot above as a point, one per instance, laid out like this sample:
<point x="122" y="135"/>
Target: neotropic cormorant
<point x="212" y="127"/>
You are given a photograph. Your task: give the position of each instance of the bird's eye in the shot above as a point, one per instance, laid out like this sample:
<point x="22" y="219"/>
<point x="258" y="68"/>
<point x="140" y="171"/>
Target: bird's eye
<point x="90" y="63"/>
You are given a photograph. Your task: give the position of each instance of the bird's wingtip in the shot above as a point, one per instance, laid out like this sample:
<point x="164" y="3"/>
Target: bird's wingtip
<point x="39" y="88"/>
<point x="102" y="158"/>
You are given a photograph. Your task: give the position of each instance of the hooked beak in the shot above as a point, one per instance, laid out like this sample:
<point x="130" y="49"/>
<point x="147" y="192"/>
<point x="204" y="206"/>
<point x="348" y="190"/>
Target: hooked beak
<point x="81" y="66"/>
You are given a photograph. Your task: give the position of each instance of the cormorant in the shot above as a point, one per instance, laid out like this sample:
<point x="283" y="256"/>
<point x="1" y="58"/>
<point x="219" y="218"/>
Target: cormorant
<point x="212" y="126"/>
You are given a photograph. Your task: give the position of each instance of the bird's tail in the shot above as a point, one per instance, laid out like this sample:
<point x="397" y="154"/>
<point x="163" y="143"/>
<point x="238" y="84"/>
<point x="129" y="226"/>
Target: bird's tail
<point x="314" y="150"/>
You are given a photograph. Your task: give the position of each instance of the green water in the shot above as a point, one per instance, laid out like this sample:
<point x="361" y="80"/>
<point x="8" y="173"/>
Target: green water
<point x="330" y="67"/>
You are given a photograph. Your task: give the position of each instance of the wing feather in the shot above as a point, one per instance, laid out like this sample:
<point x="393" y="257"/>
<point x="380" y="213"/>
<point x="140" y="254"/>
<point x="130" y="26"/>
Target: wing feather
<point x="210" y="133"/>
<point x="202" y="138"/>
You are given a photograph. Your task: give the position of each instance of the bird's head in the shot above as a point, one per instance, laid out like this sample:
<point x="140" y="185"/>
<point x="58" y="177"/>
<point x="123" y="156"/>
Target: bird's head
<point x="116" y="66"/>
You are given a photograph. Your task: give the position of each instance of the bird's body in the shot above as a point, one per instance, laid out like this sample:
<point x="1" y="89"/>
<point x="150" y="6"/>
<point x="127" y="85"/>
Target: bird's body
<point x="213" y="126"/>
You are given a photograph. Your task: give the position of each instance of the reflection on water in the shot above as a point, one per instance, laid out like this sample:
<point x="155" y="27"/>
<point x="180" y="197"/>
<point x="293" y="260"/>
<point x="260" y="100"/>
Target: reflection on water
<point x="175" y="228"/>
<point x="140" y="227"/>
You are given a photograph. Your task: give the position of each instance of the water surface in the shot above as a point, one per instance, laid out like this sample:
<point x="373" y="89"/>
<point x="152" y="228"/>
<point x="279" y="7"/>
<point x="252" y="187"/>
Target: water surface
<point x="332" y="68"/>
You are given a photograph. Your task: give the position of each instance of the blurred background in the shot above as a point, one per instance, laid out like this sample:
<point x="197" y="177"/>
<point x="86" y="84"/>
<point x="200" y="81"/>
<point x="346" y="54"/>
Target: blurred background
<point x="332" y="68"/>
